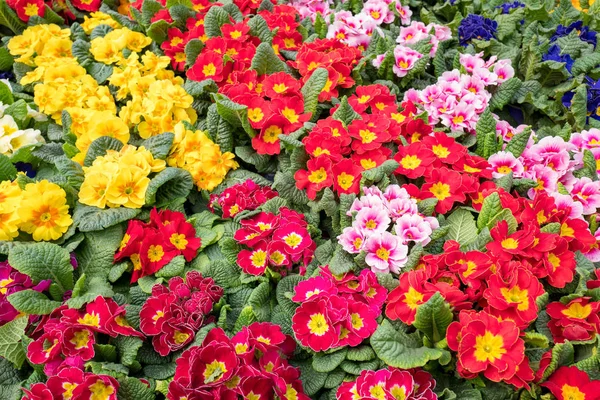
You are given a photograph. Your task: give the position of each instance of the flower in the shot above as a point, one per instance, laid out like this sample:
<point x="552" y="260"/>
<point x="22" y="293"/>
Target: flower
<point x="476" y="27"/>
<point x="12" y="281"/>
<point x="575" y="321"/>
<point x="385" y="252"/>
<point x="572" y="383"/>
<point x="487" y="344"/>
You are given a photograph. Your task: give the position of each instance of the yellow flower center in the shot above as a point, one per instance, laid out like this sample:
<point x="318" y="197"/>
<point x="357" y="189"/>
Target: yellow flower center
<point x="403" y="64"/>
<point x="235" y="34"/>
<point x="516" y="295"/>
<point x="489" y="347"/>
<point x="155" y="253"/>
<point x="356" y="320"/>
<point x="259" y="258"/>
<point x="214" y="371"/>
<point x="367" y="136"/>
<point x="566" y="230"/>
<point x="69" y="387"/>
<point x="345" y="180"/>
<point x="4" y="283"/>
<point x="176" y="40"/>
<point x="377" y="392"/>
<point x="572" y="393"/>
<point x="509" y="243"/>
<point x="383" y="253"/>
<point x="440" y="190"/>
<point x="413" y="298"/>
<point x="367" y="163"/>
<point x="505" y="169"/>
<point x="410" y="162"/>
<point x="318" y="325"/>
<point x="293" y="240"/>
<point x="255" y="114"/>
<point x="576" y="310"/>
<point x="180" y="337"/>
<point x="31" y="9"/>
<point x="81" y="339"/>
<point x="179" y="241"/>
<point x="554" y="261"/>
<point x="100" y="391"/>
<point x="290" y="115"/>
<point x="272" y="134"/>
<point x="458" y="119"/>
<point x="318" y="175"/>
<point x="280" y="88"/>
<point x="209" y="70"/>
<point x="90" y="320"/>
<point x="357" y="243"/>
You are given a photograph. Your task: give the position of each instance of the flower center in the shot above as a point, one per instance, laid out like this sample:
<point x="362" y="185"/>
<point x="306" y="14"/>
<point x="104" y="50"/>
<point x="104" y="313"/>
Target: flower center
<point x="489" y="347"/>
<point x="318" y="325"/>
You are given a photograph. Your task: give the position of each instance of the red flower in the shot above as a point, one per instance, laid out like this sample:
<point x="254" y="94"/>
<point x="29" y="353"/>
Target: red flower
<point x="347" y="177"/>
<point x="259" y="112"/>
<point x="415" y="160"/>
<point x="28" y="8"/>
<point x="445" y="148"/>
<point x="486" y="344"/>
<point x="255" y="261"/>
<point x="389" y="384"/>
<point x="281" y="84"/>
<point x="99" y="386"/>
<point x="237" y="31"/>
<point x="404" y="300"/>
<point x="506" y="245"/>
<point x="87" y="5"/>
<point x="559" y="263"/>
<point x="578" y="320"/>
<point x="570" y="383"/>
<point x="182" y="238"/>
<point x="155" y="253"/>
<point x="314" y="326"/>
<point x="447" y="186"/>
<point x="208" y="65"/>
<point x="78" y="342"/>
<point x="373" y="158"/>
<point x="132" y="240"/>
<point x="267" y="142"/>
<point x="369" y="133"/>
<point x="318" y="176"/>
<point x="292" y="109"/>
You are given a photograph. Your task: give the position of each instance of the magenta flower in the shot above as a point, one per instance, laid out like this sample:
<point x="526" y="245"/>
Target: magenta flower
<point x="503" y="163"/>
<point x="372" y="220"/>
<point x="12" y="281"/>
<point x="352" y="240"/>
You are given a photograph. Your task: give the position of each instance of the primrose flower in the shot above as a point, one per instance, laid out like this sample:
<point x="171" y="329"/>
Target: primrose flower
<point x="385" y="252"/>
<point x="405" y="59"/>
<point x="372" y="220"/>
<point x="503" y="163"/>
<point x="413" y="228"/>
<point x="476" y="27"/>
<point x="352" y="240"/>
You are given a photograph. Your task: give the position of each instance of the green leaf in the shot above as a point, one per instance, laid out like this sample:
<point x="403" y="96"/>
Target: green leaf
<point x="81" y="51"/>
<point x="99" y="147"/>
<point x="260" y="29"/>
<point x="398" y="350"/>
<point x="10" y="337"/>
<point x="89" y="290"/>
<point x="167" y="185"/>
<point x="8" y="172"/>
<point x="265" y="61"/>
<point x="70" y="170"/>
<point x="6" y="96"/>
<point x="323" y="362"/>
<point x="361" y="353"/>
<point x="159" y="145"/>
<point x="214" y="19"/>
<point x="158" y="31"/>
<point x="517" y="143"/>
<point x="285" y="184"/>
<point x="505" y="93"/>
<point x="175" y="267"/>
<point x="192" y="50"/>
<point x="562" y="354"/>
<point x="134" y="389"/>
<point x="96" y="254"/>
<point x="234" y="113"/>
<point x="246" y="318"/>
<point x="485" y="129"/>
<point x="128" y="347"/>
<point x="579" y="107"/>
<point x="6" y="60"/>
<point x="341" y="262"/>
<point x="44" y="261"/>
<point x="491" y="206"/>
<point x="312" y="381"/>
<point x="91" y="219"/>
<point x="462" y="227"/>
<point x="260" y="301"/>
<point x="149" y="8"/>
<point x="9" y="19"/>
<point x="535" y="339"/>
<point x="100" y="72"/>
<point x="312" y="89"/>
<point x="433" y="318"/>
<point x="345" y="112"/>
<point x="32" y="302"/>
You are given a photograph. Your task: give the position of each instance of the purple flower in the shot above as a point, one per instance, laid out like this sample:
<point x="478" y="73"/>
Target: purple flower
<point x="476" y="27"/>
<point x="583" y="32"/>
<point x="554" y="55"/>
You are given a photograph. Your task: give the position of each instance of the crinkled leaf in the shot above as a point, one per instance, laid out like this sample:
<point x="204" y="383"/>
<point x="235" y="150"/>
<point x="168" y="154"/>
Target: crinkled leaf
<point x="44" y="261"/>
<point x="32" y="302"/>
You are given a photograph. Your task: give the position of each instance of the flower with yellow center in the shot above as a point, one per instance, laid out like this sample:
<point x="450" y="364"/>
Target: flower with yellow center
<point x="128" y="188"/>
<point x="440" y="190"/>
<point x="489" y="347"/>
<point x="101" y="391"/>
<point x="318" y="324"/>
<point x="44" y="215"/>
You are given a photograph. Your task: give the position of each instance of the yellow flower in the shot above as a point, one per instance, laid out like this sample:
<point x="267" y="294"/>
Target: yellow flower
<point x="136" y="41"/>
<point x="98" y="18"/>
<point x="44" y="212"/>
<point x="93" y="189"/>
<point x="10" y="196"/>
<point x="219" y="163"/>
<point x="9" y="226"/>
<point x="128" y="188"/>
<point x="58" y="48"/>
<point x="105" y="51"/>
<point x="106" y="124"/>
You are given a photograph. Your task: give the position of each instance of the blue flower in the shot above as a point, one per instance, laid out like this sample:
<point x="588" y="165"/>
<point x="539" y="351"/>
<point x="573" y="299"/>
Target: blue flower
<point x="476" y="27"/>
<point x="506" y="7"/>
<point x="554" y="55"/>
<point x="6" y="75"/>
<point x="26" y="168"/>
<point x="593" y="97"/>
<point x="584" y="32"/>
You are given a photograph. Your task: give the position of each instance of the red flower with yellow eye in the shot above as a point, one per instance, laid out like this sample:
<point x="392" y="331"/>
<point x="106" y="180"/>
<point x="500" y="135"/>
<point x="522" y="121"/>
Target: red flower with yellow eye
<point x="372" y="158"/>
<point x="402" y="302"/>
<point x="414" y="130"/>
<point x="346" y="177"/>
<point x="446" y="186"/>
<point x="155" y="253"/>
<point x="571" y="383"/>
<point x="29" y="8"/>
<point x="507" y="245"/>
<point x="558" y="264"/>
<point x="512" y="294"/>
<point x="182" y="238"/>
<point x="238" y="31"/>
<point x="445" y="148"/>
<point x="292" y="109"/>
<point x="317" y="177"/>
<point x="486" y="344"/>
<point x="78" y="342"/>
<point x="267" y="141"/>
<point x="368" y="133"/>
<point x="576" y="231"/>
<point x="415" y="160"/>
<point x="314" y="326"/>
<point x="575" y="321"/>
<point x="254" y="261"/>
<point x="259" y="111"/>
<point x="208" y="65"/>
<point x="322" y="144"/>
<point x="330" y="88"/>
<point x="281" y="84"/>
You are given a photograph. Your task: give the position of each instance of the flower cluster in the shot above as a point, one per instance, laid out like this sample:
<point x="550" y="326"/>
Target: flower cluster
<point x="152" y="245"/>
<point x="74" y="383"/>
<point x="476" y="27"/>
<point x="39" y="209"/>
<point x="195" y="152"/>
<point x="246" y="196"/>
<point x="337" y="311"/>
<point x="119" y="178"/>
<point x="373" y="215"/>
<point x="578" y="320"/>
<point x="12" y="281"/>
<point x="67" y="336"/>
<point x="173" y="314"/>
<point x="252" y="364"/>
<point x="13" y="137"/>
<point x="572" y="383"/>
<point x="276" y="242"/>
<point x="457" y="99"/>
<point x="389" y="384"/>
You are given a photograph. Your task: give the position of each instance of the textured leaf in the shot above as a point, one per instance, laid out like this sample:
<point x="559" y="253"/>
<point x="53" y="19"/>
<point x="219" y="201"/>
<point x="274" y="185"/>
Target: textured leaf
<point x="89" y="290"/>
<point x="312" y="89"/>
<point x="134" y="389"/>
<point x="91" y="219"/>
<point x="8" y="171"/>
<point x="128" y="347"/>
<point x="6" y="95"/>
<point x="260" y="301"/>
<point x="462" y="227"/>
<point x="175" y="267"/>
<point x="10" y="336"/>
<point x="394" y="348"/>
<point x="44" y="261"/>
<point x="486" y="128"/>
<point x="159" y="145"/>
<point x="99" y="147"/>
<point x="433" y="318"/>
<point x="285" y="184"/>
<point x="32" y="302"/>
<point x="169" y="184"/>
<point x="213" y="21"/>
<point x="265" y="61"/>
<point x="95" y="255"/>
<point x="579" y="106"/>
<point x="158" y="31"/>
<point x="361" y="353"/>
<point x="345" y="112"/>
<point x="341" y="262"/>
<point x="505" y="93"/>
<point x="10" y="19"/>
<point x="491" y="206"/>
<point x="192" y="50"/>
<point x="260" y="29"/>
<point x="323" y="362"/>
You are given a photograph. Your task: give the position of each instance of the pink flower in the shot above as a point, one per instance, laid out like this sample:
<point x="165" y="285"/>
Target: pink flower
<point x="504" y="70"/>
<point x="352" y="240"/>
<point x="594" y="254"/>
<point x="460" y="117"/>
<point x="405" y="59"/>
<point x="587" y="192"/>
<point x="441" y="32"/>
<point x="545" y="177"/>
<point x="366" y="201"/>
<point x="405" y="13"/>
<point x="471" y="62"/>
<point x="413" y="228"/>
<point x="586" y="139"/>
<point x="503" y="163"/>
<point x="371" y="220"/>
<point x="385" y="253"/>
<point x="564" y="202"/>
<point x="413" y="33"/>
